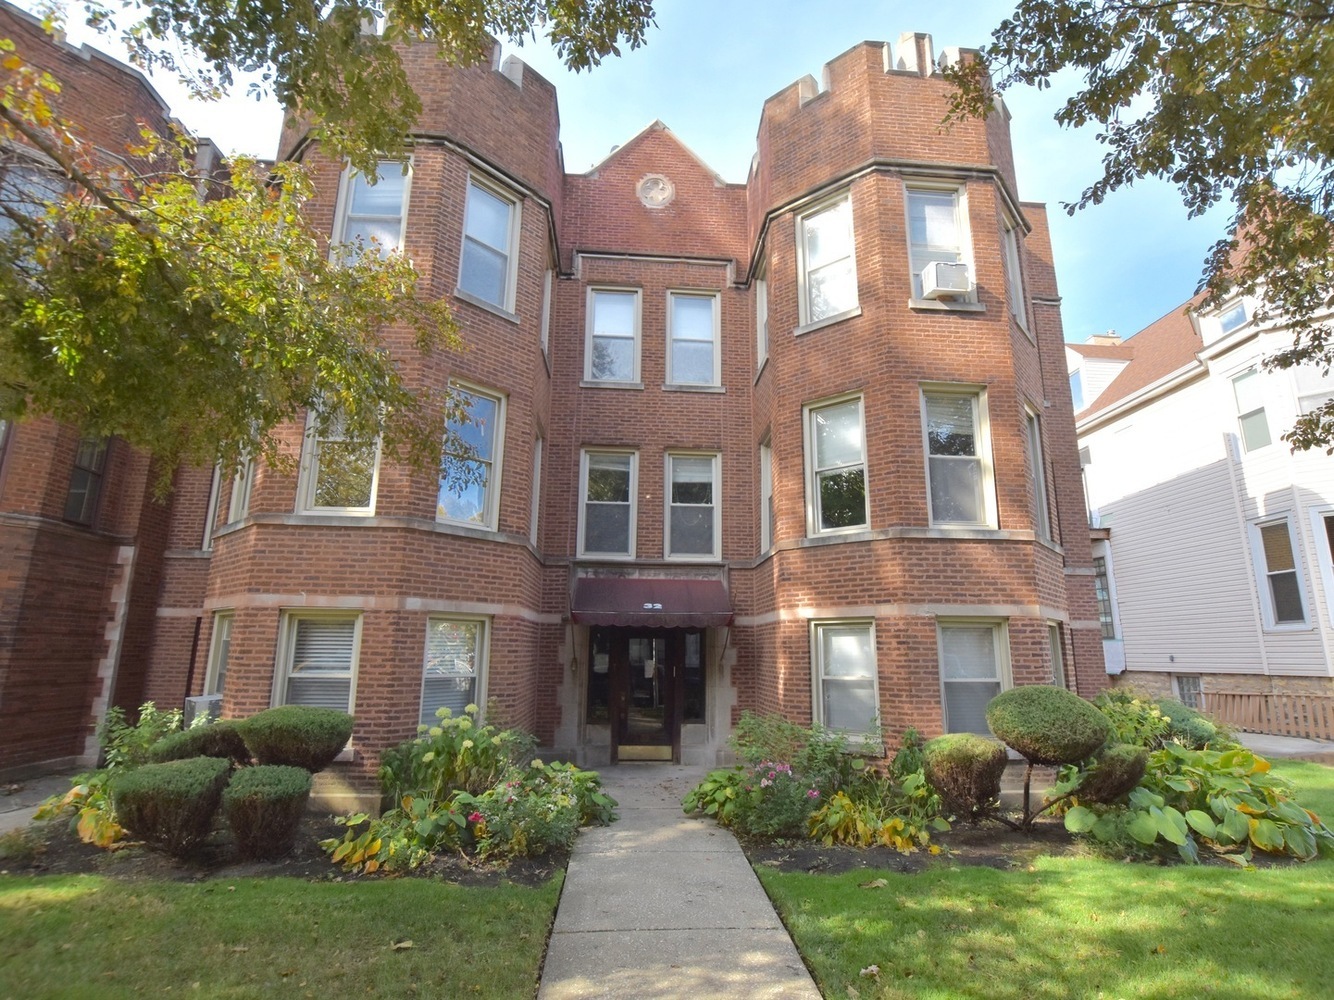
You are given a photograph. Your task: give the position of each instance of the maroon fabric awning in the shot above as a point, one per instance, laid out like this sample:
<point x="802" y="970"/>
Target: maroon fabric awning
<point x="650" y="602"/>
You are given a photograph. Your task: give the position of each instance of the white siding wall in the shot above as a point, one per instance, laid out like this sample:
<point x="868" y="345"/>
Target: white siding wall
<point x="1098" y="375"/>
<point x="1172" y="482"/>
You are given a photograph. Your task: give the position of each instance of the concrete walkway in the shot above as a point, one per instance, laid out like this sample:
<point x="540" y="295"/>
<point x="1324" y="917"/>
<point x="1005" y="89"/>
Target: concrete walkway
<point x="20" y="799"/>
<point x="1320" y="751"/>
<point x="663" y="905"/>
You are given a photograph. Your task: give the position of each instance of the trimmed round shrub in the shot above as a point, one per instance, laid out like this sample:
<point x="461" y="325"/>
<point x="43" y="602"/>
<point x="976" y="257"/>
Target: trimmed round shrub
<point x="1047" y="725"/>
<point x="965" y="769"/>
<point x="171" y="806"/>
<point x="1117" y="770"/>
<point x="297" y="736"/>
<point x="215" y="739"/>
<point x="263" y="806"/>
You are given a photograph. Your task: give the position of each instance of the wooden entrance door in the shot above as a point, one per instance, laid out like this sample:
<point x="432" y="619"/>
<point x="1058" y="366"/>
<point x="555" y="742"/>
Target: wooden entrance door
<point x="646" y="678"/>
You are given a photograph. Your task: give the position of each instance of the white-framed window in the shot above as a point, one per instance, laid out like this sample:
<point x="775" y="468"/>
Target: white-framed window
<point x="85" y="480"/>
<point x="1234" y="317"/>
<point x="1189" y="691"/>
<point x="243" y="484"/>
<point x="826" y="261"/>
<point x="766" y="495"/>
<point x="219" y="651"/>
<point x="1014" y="273"/>
<point x="1322" y="527"/>
<point x="761" y="322"/>
<point x="1280" y="574"/>
<point x="317" y="662"/>
<point x="535" y="508"/>
<point x="371" y="215"/>
<point x="974" y="668"/>
<point x="608" y="488"/>
<point x="1102" y="592"/>
<point x="694" y="527"/>
<point x="1057" y="651"/>
<point x="488" y="262"/>
<point x="1077" y="389"/>
<point x="960" y="485"/>
<point x="547" y="280"/>
<point x="1038" y="474"/>
<point x="836" y="466"/>
<point x="845" y="678"/>
<point x="1314" y="388"/>
<point x="211" y="511"/>
<point x="339" y="474"/>
<point x="454" y="669"/>
<point x="611" y="350"/>
<point x="1251" y="419"/>
<point x="469" y="484"/>
<point x="937" y="231"/>
<point x="693" y="333"/>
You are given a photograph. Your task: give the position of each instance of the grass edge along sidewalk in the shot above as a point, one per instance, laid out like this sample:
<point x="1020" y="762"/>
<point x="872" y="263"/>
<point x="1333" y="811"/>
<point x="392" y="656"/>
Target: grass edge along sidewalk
<point x="1063" y="927"/>
<point x="78" y="936"/>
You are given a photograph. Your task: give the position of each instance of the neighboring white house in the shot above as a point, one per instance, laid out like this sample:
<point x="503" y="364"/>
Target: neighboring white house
<point x="1212" y="539"/>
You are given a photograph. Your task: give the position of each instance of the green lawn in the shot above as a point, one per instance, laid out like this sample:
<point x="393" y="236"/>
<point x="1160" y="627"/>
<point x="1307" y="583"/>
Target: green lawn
<point x="1073" y="927"/>
<point x="1315" y="786"/>
<point x="88" y="936"/>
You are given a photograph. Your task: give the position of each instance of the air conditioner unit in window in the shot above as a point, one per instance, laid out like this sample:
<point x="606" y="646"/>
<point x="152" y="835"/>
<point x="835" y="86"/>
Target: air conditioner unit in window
<point x="941" y="280"/>
<point x="204" y="706"/>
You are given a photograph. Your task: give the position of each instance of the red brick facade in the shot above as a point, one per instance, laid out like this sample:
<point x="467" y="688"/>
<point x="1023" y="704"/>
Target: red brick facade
<point x="869" y="135"/>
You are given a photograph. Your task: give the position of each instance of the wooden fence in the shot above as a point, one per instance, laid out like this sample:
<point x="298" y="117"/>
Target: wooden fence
<point x="1306" y="715"/>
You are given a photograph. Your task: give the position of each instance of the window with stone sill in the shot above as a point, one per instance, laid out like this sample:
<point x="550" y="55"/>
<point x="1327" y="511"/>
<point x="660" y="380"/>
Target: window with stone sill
<point x="488" y="262"/>
<point x="470" y="468"/>
<point x="937" y="232"/>
<point x="607" y="503"/>
<point x="612" y="344"/>
<point x="339" y="474"/>
<point x="371" y="215"/>
<point x="85" y="482"/>
<point x="847" y="694"/>
<point x="455" y="664"/>
<point x="693" y="524"/>
<point x="220" y="648"/>
<point x="826" y="261"/>
<point x="973" y="670"/>
<point x="317" y="664"/>
<point x="693" y="357"/>
<point x="836" y="466"/>
<point x="961" y="490"/>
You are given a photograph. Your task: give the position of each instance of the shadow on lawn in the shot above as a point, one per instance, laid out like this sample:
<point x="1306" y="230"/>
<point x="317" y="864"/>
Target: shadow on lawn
<point x="1066" y="927"/>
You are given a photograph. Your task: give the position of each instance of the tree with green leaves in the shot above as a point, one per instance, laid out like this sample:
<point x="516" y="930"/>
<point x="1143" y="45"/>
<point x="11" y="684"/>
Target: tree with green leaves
<point x="193" y="314"/>
<point x="1226" y="99"/>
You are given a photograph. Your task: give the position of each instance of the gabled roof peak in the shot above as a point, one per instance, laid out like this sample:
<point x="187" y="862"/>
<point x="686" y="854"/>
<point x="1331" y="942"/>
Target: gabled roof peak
<point x="656" y="125"/>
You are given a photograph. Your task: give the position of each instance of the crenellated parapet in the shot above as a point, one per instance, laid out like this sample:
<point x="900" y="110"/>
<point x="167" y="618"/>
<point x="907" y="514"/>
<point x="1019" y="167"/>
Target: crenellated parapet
<point x="879" y="104"/>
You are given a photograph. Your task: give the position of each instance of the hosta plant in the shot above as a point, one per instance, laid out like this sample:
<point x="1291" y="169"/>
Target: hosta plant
<point x="1228" y="803"/>
<point x="899" y="815"/>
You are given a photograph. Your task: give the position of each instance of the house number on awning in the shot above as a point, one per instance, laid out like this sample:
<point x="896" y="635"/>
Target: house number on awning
<point x="650" y="606"/>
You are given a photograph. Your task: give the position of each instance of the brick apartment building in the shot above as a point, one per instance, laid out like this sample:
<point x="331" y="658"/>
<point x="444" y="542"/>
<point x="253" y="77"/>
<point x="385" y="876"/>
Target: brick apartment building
<point x="798" y="445"/>
<point x="82" y="541"/>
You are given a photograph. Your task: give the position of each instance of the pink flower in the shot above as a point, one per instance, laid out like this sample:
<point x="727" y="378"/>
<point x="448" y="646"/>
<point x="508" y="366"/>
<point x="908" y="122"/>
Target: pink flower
<point x="814" y="793"/>
<point x="772" y="775"/>
<point x="476" y="817"/>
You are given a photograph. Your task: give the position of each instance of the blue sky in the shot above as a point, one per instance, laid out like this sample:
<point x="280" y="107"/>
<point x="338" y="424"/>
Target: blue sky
<point x="709" y="66"/>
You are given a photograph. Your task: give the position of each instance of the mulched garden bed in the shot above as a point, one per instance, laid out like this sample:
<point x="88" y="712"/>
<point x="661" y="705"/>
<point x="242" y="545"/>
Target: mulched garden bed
<point x="989" y="844"/>
<point x="62" y="853"/>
